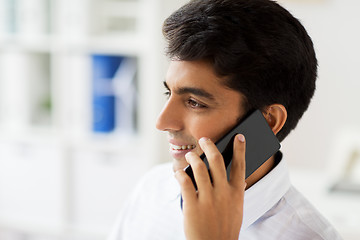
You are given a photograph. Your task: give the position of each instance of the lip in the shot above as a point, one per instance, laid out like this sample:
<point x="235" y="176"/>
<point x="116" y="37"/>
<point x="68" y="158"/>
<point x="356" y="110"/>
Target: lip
<point x="179" y="153"/>
<point x="178" y="143"/>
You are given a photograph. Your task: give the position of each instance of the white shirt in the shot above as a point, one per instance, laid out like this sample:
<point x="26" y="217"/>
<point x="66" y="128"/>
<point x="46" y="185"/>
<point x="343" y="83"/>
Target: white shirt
<point x="273" y="209"/>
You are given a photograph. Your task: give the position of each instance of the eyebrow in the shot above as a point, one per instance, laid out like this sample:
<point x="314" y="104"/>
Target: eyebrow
<point x="196" y="91"/>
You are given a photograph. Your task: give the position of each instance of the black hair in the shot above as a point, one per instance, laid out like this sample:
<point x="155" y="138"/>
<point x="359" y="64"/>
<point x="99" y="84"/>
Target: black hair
<point x="259" y="48"/>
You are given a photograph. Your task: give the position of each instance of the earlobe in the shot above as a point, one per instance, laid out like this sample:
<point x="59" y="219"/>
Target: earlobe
<point x="276" y="116"/>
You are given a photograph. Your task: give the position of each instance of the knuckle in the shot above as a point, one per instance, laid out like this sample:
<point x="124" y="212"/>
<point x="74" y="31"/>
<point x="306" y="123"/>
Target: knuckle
<point x="208" y="203"/>
<point x="198" y="165"/>
<point x="238" y="192"/>
<point x="185" y="181"/>
<point x="224" y="198"/>
<point x="216" y="156"/>
<point x="189" y="156"/>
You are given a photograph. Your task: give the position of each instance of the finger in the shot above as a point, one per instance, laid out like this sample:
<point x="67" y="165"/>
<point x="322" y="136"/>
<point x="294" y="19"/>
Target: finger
<point x="201" y="173"/>
<point x="215" y="159"/>
<point x="238" y="165"/>
<point x="187" y="188"/>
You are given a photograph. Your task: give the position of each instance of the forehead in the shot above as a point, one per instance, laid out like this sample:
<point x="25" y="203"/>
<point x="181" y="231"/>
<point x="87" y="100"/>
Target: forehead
<point x="193" y="74"/>
<point x="200" y="77"/>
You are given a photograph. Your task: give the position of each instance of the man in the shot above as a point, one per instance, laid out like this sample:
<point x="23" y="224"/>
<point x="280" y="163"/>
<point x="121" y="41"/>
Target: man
<point x="228" y="58"/>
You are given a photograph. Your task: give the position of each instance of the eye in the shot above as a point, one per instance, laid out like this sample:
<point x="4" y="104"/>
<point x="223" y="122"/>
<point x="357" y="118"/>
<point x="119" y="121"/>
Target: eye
<point x="167" y="94"/>
<point x="194" y="104"/>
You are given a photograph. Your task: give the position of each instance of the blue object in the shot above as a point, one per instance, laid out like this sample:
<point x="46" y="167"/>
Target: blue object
<point x="104" y="68"/>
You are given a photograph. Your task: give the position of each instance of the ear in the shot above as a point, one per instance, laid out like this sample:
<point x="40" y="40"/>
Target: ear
<point x="276" y="116"/>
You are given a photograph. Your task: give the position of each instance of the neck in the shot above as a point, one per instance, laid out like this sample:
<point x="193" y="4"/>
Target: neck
<point x="260" y="172"/>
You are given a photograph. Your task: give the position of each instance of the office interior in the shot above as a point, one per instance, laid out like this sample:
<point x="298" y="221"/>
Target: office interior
<point x="76" y="134"/>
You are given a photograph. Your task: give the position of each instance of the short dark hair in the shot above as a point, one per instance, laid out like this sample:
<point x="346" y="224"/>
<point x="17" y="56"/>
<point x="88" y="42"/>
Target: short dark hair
<point x="256" y="45"/>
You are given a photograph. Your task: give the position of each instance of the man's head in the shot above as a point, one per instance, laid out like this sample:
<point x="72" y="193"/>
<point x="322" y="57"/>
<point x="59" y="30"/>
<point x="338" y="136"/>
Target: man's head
<point x="256" y="45"/>
<point x="252" y="48"/>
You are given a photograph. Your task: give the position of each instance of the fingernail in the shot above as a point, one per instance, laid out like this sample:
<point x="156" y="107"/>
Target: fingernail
<point x="241" y="138"/>
<point x="203" y="139"/>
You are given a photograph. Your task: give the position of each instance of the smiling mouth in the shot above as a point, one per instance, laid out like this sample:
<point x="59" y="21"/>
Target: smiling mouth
<point x="181" y="147"/>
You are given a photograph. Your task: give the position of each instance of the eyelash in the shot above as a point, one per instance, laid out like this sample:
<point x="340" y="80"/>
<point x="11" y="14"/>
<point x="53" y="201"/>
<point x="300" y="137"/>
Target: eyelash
<point x="190" y="102"/>
<point x="167" y="94"/>
<point x="194" y="104"/>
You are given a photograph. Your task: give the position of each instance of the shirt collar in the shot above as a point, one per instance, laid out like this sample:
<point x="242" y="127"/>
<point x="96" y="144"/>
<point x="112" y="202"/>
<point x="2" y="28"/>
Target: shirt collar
<point x="265" y="193"/>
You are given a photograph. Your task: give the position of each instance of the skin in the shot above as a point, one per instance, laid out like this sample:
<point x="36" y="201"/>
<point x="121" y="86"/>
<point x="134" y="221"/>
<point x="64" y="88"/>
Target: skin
<point x="199" y="110"/>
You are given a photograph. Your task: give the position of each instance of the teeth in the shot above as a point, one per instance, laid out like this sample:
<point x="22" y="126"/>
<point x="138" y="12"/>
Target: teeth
<point x="182" y="147"/>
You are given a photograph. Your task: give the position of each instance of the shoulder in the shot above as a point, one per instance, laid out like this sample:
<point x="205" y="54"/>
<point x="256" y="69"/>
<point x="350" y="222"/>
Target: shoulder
<point x="157" y="174"/>
<point x="149" y="191"/>
<point x="148" y="205"/>
<point x="302" y="219"/>
<point x="165" y="169"/>
<point x="158" y="182"/>
<point x="153" y="210"/>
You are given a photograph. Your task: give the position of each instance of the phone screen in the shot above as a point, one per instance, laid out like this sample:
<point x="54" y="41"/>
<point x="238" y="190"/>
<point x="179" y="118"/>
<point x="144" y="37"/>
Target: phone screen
<point x="261" y="144"/>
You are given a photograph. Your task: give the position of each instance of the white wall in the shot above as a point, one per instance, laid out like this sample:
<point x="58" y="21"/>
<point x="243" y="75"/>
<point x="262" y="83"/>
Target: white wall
<point x="334" y="26"/>
<point x="319" y="148"/>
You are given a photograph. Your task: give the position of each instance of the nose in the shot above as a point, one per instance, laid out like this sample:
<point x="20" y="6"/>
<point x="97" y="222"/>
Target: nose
<point x="170" y="117"/>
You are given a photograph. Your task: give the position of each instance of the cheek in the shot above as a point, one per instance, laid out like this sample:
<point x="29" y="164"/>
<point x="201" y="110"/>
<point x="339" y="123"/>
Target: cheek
<point x="201" y="130"/>
<point x="213" y="128"/>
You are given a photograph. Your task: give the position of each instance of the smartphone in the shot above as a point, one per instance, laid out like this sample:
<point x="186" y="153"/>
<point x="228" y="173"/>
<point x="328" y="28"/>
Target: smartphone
<point x="261" y="144"/>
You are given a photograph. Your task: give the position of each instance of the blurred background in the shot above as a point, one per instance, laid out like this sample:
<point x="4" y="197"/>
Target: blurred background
<point x="80" y="90"/>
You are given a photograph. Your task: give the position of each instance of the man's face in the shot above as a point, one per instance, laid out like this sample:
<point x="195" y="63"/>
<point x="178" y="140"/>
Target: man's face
<point x="199" y="105"/>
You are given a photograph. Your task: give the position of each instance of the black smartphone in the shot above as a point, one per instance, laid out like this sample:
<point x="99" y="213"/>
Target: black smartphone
<point x="261" y="144"/>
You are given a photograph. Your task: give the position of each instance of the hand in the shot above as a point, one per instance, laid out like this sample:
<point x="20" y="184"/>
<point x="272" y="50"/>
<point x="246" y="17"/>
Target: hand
<point x="215" y="211"/>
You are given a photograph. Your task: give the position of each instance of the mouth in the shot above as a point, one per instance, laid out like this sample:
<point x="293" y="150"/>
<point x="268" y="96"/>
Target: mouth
<point x="181" y="147"/>
<point x="178" y="152"/>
